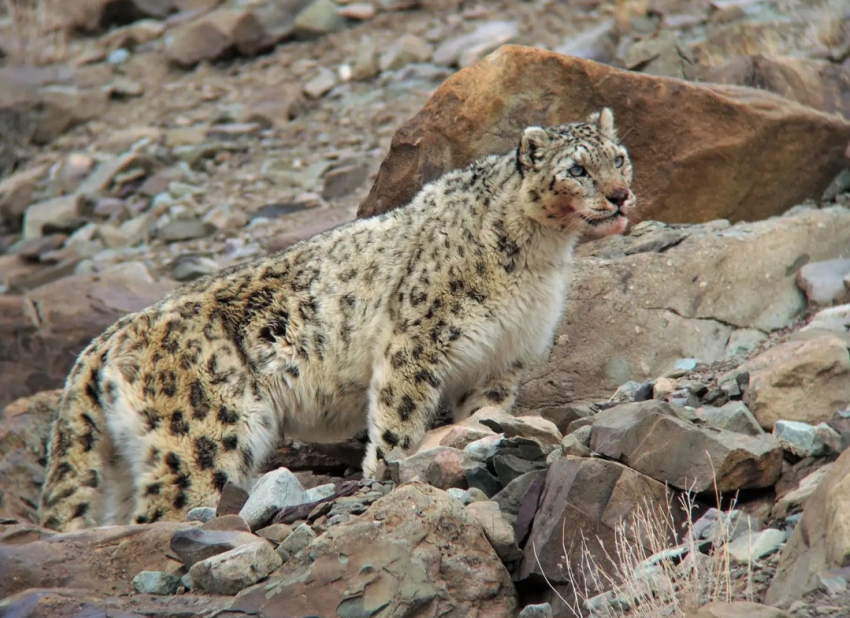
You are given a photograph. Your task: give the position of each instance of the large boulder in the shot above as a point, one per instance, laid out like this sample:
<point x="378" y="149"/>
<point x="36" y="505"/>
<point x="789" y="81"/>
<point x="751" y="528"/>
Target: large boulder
<point x="701" y="152"/>
<point x="42" y="332"/>
<point x="414" y="552"/>
<point x="821" y="540"/>
<point x="587" y="499"/>
<point x="638" y="303"/>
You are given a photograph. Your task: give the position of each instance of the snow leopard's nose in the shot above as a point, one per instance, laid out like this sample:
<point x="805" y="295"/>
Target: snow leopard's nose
<point x="618" y="197"/>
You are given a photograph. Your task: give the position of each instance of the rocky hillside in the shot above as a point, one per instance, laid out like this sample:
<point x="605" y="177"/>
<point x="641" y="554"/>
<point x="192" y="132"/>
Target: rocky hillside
<point x="685" y="442"/>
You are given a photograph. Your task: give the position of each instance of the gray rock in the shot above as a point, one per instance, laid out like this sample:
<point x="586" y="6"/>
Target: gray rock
<point x="823" y="282"/>
<point x="836" y="319"/>
<point x="801" y="439"/>
<point x="407" y="49"/>
<point x="535" y="427"/>
<point x="538" y="610"/>
<point x="718" y="525"/>
<point x="300" y="538"/>
<point x="198" y="544"/>
<point x="321" y="492"/>
<point x="274" y="491"/>
<point x="276" y="533"/>
<point x="230" y="572"/>
<point x="509" y="467"/>
<point x="733" y="416"/>
<point x="318" y="18"/>
<point x="321" y="83"/>
<point x="750" y="547"/>
<point x="574" y="445"/>
<point x="485" y="447"/>
<point x="184" y="229"/>
<point x="156" y="582"/>
<point x="200" y="513"/>
<point x="459" y="494"/>
<point x="191" y="267"/>
<point x="497" y="530"/>
<point x="510" y="498"/>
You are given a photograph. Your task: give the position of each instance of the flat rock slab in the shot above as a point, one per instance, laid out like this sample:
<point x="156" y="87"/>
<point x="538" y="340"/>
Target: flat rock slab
<point x="76" y="603"/>
<point x="417" y="551"/>
<point x="88" y="559"/>
<point x="700" y="152"/>
<point x="649" y="437"/>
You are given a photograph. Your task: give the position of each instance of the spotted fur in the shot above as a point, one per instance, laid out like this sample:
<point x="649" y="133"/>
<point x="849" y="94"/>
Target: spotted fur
<point x="372" y="324"/>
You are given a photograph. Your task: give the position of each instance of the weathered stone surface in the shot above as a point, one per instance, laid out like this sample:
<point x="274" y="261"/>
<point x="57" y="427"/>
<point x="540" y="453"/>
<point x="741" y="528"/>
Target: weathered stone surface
<point x="793" y="501"/>
<point x="733" y="416"/>
<point x="675" y="310"/>
<point x="234" y="570"/>
<point x="749" y="548"/>
<point x="823" y="282"/>
<point x="587" y="497"/>
<point x="197" y="544"/>
<point x="156" y="582"/>
<point x="820" y="541"/>
<point x="87" y="559"/>
<point x="416" y="550"/>
<point x="441" y="467"/>
<point x="807" y="381"/>
<point x="482" y="109"/>
<point x="649" y="437"/>
<point x="497" y="530"/>
<point x="42" y="333"/>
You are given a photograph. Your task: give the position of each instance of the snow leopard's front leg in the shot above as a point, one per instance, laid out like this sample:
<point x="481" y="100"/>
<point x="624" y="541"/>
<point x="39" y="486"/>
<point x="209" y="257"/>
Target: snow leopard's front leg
<point x="403" y="398"/>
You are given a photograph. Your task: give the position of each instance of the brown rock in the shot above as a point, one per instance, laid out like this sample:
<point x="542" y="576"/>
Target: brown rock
<point x="441" y="467"/>
<point x="227" y="522"/>
<point x="683" y="138"/>
<point x="275" y="107"/>
<point x="817" y="83"/>
<point x="821" y="540"/>
<point x="585" y="497"/>
<point x="88" y="559"/>
<point x="42" y="332"/>
<point x="416" y="550"/>
<point x="650" y="438"/>
<point x="16" y="192"/>
<point x="738" y="609"/>
<point x="94" y="15"/>
<point x="213" y="35"/>
<point x="231" y="501"/>
<point x="807" y="381"/>
<point x="196" y="544"/>
<point x="24" y="432"/>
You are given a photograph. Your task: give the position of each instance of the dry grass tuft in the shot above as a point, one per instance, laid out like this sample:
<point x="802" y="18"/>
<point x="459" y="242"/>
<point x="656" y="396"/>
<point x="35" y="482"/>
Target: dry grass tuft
<point x="33" y="31"/>
<point x="648" y="576"/>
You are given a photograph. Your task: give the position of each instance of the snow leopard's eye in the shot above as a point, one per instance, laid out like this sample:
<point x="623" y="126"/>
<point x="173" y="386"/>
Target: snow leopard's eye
<point x="618" y="161"/>
<point x="577" y="170"/>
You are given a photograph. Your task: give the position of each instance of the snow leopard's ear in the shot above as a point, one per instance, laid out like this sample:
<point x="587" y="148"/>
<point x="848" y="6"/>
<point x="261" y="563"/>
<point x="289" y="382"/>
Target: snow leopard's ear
<point x="604" y="121"/>
<point x="532" y="145"/>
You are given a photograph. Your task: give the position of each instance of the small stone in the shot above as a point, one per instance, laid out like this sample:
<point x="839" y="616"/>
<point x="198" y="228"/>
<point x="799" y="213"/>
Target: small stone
<point x="799" y="438"/>
<point x="227" y="522"/>
<point x="359" y="11"/>
<point x="573" y="446"/>
<point x="823" y="282"/>
<point x="276" y="533"/>
<point x="459" y="494"/>
<point x="525" y="426"/>
<point x="118" y="56"/>
<point x="686" y="364"/>
<point x="225" y="218"/>
<point x="274" y="491"/>
<point x="342" y="181"/>
<point x="55" y="211"/>
<point x="321" y="492"/>
<point x="496" y="529"/>
<point x="365" y="60"/>
<point x="733" y="416"/>
<point x="321" y="83"/>
<point x="485" y="447"/>
<point x="663" y="388"/>
<point x="300" y="538"/>
<point x="156" y="582"/>
<point x="110" y="207"/>
<point x="200" y="513"/>
<point x="539" y="610"/>
<point x="318" y="18"/>
<point x="509" y="467"/>
<point x="749" y="547"/>
<point x="234" y="570"/>
<point x="184" y="229"/>
<point x="407" y="49"/>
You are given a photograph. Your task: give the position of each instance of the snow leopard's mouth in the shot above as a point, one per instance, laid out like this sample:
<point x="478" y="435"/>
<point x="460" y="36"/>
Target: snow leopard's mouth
<point x="600" y="220"/>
